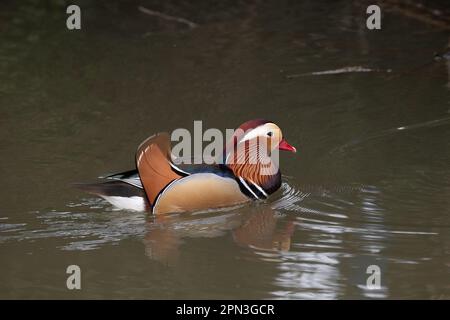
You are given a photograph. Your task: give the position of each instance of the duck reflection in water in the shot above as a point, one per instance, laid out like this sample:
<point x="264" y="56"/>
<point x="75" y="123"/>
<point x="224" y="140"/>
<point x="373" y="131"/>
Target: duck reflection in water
<point x="257" y="227"/>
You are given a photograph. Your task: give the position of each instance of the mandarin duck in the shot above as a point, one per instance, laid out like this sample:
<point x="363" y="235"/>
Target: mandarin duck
<point x="160" y="186"/>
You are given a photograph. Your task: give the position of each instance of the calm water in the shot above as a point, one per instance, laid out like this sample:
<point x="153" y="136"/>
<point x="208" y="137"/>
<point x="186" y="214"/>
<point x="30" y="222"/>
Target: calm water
<point x="370" y="184"/>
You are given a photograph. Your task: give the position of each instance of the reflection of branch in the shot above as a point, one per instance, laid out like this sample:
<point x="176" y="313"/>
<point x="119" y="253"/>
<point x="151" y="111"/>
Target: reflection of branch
<point x="337" y="71"/>
<point x="161" y="15"/>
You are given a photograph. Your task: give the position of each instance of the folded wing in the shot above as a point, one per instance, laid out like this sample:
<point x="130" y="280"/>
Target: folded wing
<point x="154" y="165"/>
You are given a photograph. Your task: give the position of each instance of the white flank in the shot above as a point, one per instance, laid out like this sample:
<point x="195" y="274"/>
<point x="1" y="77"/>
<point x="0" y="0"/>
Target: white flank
<point x="127" y="203"/>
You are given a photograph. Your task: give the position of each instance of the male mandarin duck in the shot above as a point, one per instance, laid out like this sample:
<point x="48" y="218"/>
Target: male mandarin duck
<point x="160" y="186"/>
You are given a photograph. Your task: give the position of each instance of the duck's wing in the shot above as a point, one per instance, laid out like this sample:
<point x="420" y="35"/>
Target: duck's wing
<point x="178" y="188"/>
<point x="130" y="177"/>
<point x="183" y="169"/>
<point x="193" y="188"/>
<point x="153" y="161"/>
<point x="129" y="174"/>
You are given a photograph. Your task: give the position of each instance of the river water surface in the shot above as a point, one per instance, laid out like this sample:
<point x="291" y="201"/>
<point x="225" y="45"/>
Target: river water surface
<point x="369" y="112"/>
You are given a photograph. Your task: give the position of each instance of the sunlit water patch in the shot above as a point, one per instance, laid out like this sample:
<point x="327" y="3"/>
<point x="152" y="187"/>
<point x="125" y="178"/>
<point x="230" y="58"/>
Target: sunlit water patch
<point x="87" y="226"/>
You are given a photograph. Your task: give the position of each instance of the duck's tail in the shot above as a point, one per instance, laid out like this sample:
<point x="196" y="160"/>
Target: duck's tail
<point x="120" y="194"/>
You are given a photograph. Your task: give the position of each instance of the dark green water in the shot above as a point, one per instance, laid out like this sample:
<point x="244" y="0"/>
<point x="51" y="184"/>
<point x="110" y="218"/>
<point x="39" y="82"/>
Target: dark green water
<point x="75" y="105"/>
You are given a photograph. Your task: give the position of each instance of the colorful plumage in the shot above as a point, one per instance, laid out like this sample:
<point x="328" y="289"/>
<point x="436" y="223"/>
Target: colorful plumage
<point x="246" y="172"/>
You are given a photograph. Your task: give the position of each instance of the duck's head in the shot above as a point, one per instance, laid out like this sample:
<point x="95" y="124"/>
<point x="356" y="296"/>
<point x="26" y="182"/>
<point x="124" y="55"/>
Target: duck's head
<point x="265" y="129"/>
<point x="258" y="131"/>
<point x="251" y="154"/>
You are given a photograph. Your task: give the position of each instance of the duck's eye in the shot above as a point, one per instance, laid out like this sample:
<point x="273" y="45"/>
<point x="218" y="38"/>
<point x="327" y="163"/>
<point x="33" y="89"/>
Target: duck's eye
<point x="270" y="133"/>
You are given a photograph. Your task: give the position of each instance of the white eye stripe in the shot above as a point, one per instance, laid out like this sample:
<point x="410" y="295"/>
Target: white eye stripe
<point x="260" y="131"/>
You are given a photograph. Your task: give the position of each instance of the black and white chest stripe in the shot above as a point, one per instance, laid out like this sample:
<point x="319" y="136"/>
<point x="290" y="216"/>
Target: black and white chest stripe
<point x="251" y="189"/>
